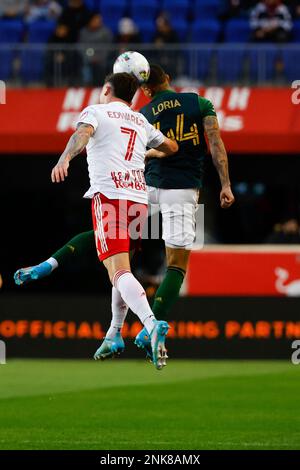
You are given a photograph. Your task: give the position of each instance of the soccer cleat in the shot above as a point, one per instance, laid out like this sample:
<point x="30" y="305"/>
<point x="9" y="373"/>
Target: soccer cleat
<point x="25" y="275"/>
<point x="110" y="348"/>
<point x="157" y="337"/>
<point x="142" y="341"/>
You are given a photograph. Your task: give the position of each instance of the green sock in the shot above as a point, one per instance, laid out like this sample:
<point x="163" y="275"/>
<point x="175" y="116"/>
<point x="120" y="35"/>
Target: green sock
<point x="168" y="292"/>
<point x="76" y="246"/>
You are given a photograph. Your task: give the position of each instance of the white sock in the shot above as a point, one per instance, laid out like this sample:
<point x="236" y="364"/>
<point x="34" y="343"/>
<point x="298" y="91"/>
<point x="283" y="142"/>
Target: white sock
<point x="53" y="263"/>
<point x="119" y="311"/>
<point x="135" y="297"/>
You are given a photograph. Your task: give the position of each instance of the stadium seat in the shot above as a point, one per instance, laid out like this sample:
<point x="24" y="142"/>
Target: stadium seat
<point x="32" y="61"/>
<point x="230" y="65"/>
<point x="146" y="29"/>
<point x="237" y="30"/>
<point x="176" y="8"/>
<point x="203" y="9"/>
<point x="181" y="26"/>
<point x="206" y="31"/>
<point x="11" y="33"/>
<point x="112" y="24"/>
<point x="40" y="31"/>
<point x="296" y="31"/>
<point x="142" y="10"/>
<point x="291" y="64"/>
<point x="113" y="10"/>
<point x="92" y="5"/>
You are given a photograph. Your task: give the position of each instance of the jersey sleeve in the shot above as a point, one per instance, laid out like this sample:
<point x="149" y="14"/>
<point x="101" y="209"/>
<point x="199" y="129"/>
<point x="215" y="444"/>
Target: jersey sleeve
<point x="88" y="116"/>
<point x="154" y="137"/>
<point x="206" y="107"/>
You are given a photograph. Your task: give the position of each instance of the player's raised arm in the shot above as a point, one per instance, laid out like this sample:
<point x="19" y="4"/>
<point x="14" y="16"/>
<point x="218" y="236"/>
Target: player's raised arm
<point x="76" y="144"/>
<point x="220" y="160"/>
<point x="168" y="147"/>
<point x="160" y="145"/>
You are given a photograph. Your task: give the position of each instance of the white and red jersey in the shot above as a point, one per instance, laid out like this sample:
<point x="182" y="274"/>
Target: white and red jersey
<point x="116" y="151"/>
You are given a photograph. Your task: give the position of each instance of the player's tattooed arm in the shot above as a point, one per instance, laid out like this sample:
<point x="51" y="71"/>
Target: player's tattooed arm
<point x="219" y="157"/>
<point x="75" y="146"/>
<point x="217" y="148"/>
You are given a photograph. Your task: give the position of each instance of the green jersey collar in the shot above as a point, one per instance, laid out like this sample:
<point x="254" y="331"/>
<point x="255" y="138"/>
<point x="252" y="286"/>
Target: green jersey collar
<point x="163" y="92"/>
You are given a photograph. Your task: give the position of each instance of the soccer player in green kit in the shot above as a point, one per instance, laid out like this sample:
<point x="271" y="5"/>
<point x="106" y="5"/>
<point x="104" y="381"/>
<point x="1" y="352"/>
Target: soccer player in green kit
<point x="174" y="183"/>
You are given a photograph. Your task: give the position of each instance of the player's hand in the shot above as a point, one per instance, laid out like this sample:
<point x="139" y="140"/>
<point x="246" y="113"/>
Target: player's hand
<point x="226" y="197"/>
<point x="60" y="171"/>
<point x="154" y="153"/>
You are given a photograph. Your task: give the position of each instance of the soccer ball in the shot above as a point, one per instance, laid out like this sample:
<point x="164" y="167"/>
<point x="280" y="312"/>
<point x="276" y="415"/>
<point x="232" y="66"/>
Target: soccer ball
<point x="134" y="63"/>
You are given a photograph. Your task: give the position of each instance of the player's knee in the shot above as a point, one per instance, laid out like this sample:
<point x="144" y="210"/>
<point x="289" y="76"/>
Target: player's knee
<point x="111" y="270"/>
<point x="116" y="264"/>
<point x="177" y="258"/>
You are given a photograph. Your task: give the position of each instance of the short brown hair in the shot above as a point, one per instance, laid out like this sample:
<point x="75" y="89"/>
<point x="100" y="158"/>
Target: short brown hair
<point x="124" y="85"/>
<point x="157" y="76"/>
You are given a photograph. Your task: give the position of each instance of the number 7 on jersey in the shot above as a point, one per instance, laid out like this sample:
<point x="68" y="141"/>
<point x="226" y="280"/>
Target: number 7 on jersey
<point x="132" y="136"/>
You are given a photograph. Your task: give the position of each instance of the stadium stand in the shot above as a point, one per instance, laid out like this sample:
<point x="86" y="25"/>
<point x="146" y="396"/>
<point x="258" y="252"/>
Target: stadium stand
<point x="112" y="11"/>
<point x="205" y="31"/>
<point x="263" y="62"/>
<point x="237" y="30"/>
<point x="231" y="63"/>
<point x="291" y="64"/>
<point x="11" y="32"/>
<point x="32" y="61"/>
<point x="181" y="27"/>
<point x="140" y="11"/>
<point x="208" y="8"/>
<point x="296" y="32"/>
<point x="197" y="22"/>
<point x="146" y="29"/>
<point x="176" y="8"/>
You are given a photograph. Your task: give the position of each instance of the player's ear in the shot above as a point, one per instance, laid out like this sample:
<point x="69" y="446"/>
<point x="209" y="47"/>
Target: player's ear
<point x="147" y="91"/>
<point x="108" y="89"/>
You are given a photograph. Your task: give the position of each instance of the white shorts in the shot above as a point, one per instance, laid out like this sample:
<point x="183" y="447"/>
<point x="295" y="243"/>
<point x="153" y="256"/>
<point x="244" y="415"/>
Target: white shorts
<point x="178" y="208"/>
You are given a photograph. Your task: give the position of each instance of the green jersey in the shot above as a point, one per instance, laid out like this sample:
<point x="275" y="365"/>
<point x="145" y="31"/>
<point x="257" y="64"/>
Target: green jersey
<point x="179" y="116"/>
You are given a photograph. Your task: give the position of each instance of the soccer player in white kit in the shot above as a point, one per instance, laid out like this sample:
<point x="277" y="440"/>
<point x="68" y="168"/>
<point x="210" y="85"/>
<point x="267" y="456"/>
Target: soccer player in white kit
<point x="116" y="139"/>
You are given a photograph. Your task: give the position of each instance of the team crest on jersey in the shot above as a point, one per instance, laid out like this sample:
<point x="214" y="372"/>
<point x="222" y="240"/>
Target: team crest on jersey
<point x="144" y="74"/>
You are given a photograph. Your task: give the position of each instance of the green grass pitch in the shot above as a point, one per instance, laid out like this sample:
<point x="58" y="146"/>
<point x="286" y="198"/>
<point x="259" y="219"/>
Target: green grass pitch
<point x="119" y="404"/>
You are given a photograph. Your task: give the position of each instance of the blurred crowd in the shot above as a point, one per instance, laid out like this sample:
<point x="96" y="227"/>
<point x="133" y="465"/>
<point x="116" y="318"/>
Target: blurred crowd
<point x="285" y="232"/>
<point x="269" y="21"/>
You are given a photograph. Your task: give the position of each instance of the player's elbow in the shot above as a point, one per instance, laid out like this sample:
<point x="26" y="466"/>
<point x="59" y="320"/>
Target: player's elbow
<point x="168" y="147"/>
<point x="172" y="147"/>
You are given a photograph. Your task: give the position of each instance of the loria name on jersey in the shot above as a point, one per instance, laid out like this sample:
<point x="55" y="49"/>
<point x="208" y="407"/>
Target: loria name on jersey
<point x="127" y="117"/>
<point x="165" y="105"/>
